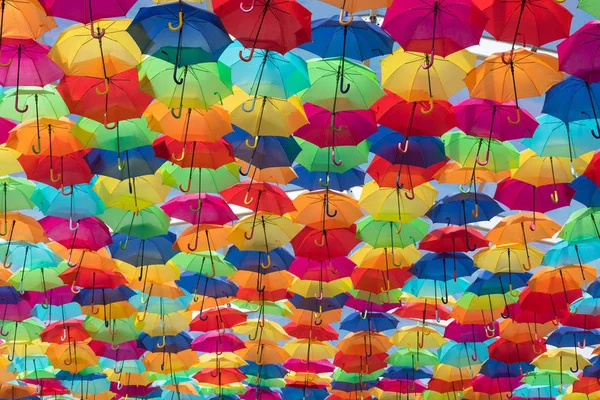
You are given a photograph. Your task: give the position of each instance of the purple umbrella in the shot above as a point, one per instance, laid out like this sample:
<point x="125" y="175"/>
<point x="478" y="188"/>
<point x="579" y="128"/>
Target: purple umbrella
<point x="15" y="312"/>
<point x="578" y="55"/>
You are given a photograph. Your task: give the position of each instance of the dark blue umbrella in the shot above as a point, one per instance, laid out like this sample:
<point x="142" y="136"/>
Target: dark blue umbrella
<point x="593" y="370"/>
<point x="568" y="336"/>
<point x="168" y="344"/>
<point x="498" y="369"/>
<point x="88" y="297"/>
<point x="594" y="289"/>
<point x="464" y="208"/>
<point x="266" y="371"/>
<point x="140" y="252"/>
<point x="489" y="283"/>
<point x="360" y="40"/>
<point x="407" y="373"/>
<point x="316" y="305"/>
<point x="353" y="387"/>
<point x="586" y="191"/>
<point x="572" y="100"/>
<point x="423" y="152"/>
<point x="295" y="393"/>
<point x="312" y="180"/>
<point x="201" y="36"/>
<point x="251" y="260"/>
<point x="443" y="266"/>
<point x="199" y="284"/>
<point x="9" y="295"/>
<point x="124" y="165"/>
<point x="375" y="322"/>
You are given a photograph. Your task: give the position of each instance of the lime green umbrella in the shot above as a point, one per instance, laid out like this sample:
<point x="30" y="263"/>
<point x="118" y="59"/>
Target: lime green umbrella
<point x="592" y="7"/>
<point x="223" y="391"/>
<point x="268" y="383"/>
<point x="150" y="221"/>
<point x="392" y="296"/>
<point x="24" y="331"/>
<point x="412" y="358"/>
<point x="582" y="224"/>
<point x="200" y="263"/>
<point x="213" y="180"/>
<point x="541" y="377"/>
<point x="391" y="234"/>
<point x="276" y="308"/>
<point x="343" y="376"/>
<point x="128" y="134"/>
<point x="15" y="194"/>
<point x="203" y="84"/>
<point x="316" y="159"/>
<point x="123" y="327"/>
<point x="37" y="280"/>
<point x="465" y="149"/>
<point x="337" y="84"/>
<point x="49" y="103"/>
<point x="35" y="373"/>
<point x="179" y="375"/>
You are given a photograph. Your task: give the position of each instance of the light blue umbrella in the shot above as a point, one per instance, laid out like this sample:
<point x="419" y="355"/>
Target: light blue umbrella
<point x="268" y="73"/>
<point x="576" y="252"/>
<point x="80" y="202"/>
<point x="56" y="313"/>
<point x="432" y="288"/>
<point x="528" y="391"/>
<point x="463" y="354"/>
<point x="29" y="255"/>
<point x="91" y="386"/>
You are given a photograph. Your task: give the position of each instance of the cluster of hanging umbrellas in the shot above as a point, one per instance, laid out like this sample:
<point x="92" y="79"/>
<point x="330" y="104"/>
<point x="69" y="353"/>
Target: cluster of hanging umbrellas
<point x="231" y="204"/>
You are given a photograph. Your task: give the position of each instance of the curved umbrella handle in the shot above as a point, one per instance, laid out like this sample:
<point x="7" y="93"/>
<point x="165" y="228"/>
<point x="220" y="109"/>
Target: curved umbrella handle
<point x="387" y="286"/>
<point x="332" y="269"/>
<point x="518" y="120"/>
<point x="514" y="293"/>
<point x="337" y="163"/>
<point x="21" y="110"/>
<point x="507" y="61"/>
<point x="73" y="290"/>
<point x="468" y="190"/>
<point x="110" y="126"/>
<point x="175" y="79"/>
<point x="247" y="10"/>
<point x="489" y="334"/>
<point x="250" y="234"/>
<point x="7" y="64"/>
<point x="320" y="313"/>
<point x="52" y="177"/>
<point x="584" y="345"/>
<point x="507" y="315"/>
<point x="487" y="159"/>
<point x="71" y="226"/>
<point x="213" y="271"/>
<point x="363" y="315"/>
<point x="412" y="194"/>
<point x="321" y="243"/>
<point x="181" y="157"/>
<point x="344" y="89"/>
<point x="247" y="199"/>
<point x="185" y="190"/>
<point x="429" y="63"/>
<point x="437" y="315"/>
<point x="105" y="91"/>
<point x="318" y="321"/>
<point x="341" y="19"/>
<point x="246" y="59"/>
<point x="39" y="146"/>
<point x="245" y="173"/>
<point x="554" y="196"/>
<point x="403" y="149"/>
<point x="180" y="23"/>
<point x="252" y="105"/>
<point x="320" y="296"/>
<point x="327" y="181"/>
<point x="475" y="212"/>
<point x="426" y="111"/>
<point x="67" y="193"/>
<point x="176" y="115"/>
<point x="268" y="264"/>
<point x="532" y="226"/>
<point x="95" y="35"/>
<point x="123" y="245"/>
<point x="333" y="127"/>
<point x="254" y="144"/>
<point x="163" y="344"/>
<point x="330" y="214"/>
<point x="121" y="163"/>
<point x="474" y="356"/>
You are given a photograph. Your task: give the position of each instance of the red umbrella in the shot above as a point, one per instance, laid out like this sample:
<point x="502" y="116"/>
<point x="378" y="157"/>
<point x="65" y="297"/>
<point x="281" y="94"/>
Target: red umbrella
<point x="324" y="245"/>
<point x="452" y="238"/>
<point x="490" y="385"/>
<point x="124" y="99"/>
<point x="584" y="321"/>
<point x="351" y="127"/>
<point x="264" y="24"/>
<point x="438" y="27"/>
<point x="378" y="281"/>
<point x="226" y="375"/>
<point x="89" y="233"/>
<point x="195" y="154"/>
<point x="401" y="116"/>
<point x="326" y="271"/>
<point x="48" y="387"/>
<point x="251" y="294"/>
<point x="71" y="330"/>
<point x="425" y="310"/>
<point x="592" y="170"/>
<point x="199" y="209"/>
<point x="540" y="316"/>
<point x="259" y="196"/>
<point x="386" y="173"/>
<point x="321" y="333"/>
<point x="216" y="342"/>
<point x="217" y="318"/>
<point x="359" y="364"/>
<point x="508" y="352"/>
<point x="92" y="278"/>
<point x="558" y="302"/>
<point x="71" y="169"/>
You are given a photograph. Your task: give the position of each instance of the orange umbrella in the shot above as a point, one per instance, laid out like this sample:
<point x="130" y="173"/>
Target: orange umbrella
<point x="273" y="281"/>
<point x="24" y="19"/>
<point x="304" y="317"/>
<point x="166" y="363"/>
<point x="561" y="279"/>
<point x="364" y="343"/>
<point x="263" y="352"/>
<point x="326" y="209"/>
<point x="453" y="172"/>
<point x="14" y="391"/>
<point x="524" y="332"/>
<point x="203" y="238"/>
<point x="277" y="175"/>
<point x="19" y="226"/>
<point x="72" y="357"/>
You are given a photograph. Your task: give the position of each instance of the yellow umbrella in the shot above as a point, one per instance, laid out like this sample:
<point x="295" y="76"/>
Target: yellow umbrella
<point x="9" y="164"/>
<point x="306" y="288"/>
<point x="164" y="324"/>
<point x="308" y="349"/>
<point x="263" y="232"/>
<point x="167" y="362"/>
<point x="368" y="257"/>
<point x="449" y="373"/>
<point x="505" y="77"/>
<point x="402" y="74"/>
<point x="265" y="116"/>
<point x="264" y="352"/>
<point x="382" y="203"/>
<point x="270" y="330"/>
<point x="225" y="360"/>
<point x="25" y="19"/>
<point x="508" y="258"/>
<point x="560" y="359"/>
<point x="315" y="209"/>
<point x="158" y="273"/>
<point x="147" y="190"/>
<point x="116" y="310"/>
<point x="418" y="337"/>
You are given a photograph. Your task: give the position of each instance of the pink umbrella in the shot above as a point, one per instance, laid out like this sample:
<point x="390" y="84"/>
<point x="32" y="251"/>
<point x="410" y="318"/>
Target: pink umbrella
<point x="6" y="126"/>
<point x="260" y="393"/>
<point x="363" y="305"/>
<point x="216" y="342"/>
<point x="55" y="297"/>
<point x="124" y="351"/>
<point x="307" y="269"/>
<point x="89" y="233"/>
<point x="314" y="367"/>
<point x="15" y="312"/>
<point x="489" y="385"/>
<point x="199" y="209"/>
<point x="488" y="118"/>
<point x="345" y="128"/>
<point x="578" y="54"/>
<point x="26" y="62"/>
<point x="87" y="11"/>
<point x="467" y="332"/>
<point x="519" y="195"/>
<point x="435" y="26"/>
<point x="401" y="386"/>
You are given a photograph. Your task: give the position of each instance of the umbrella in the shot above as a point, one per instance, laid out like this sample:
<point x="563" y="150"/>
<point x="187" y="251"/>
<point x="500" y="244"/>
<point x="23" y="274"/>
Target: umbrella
<point x="81" y="202"/>
<point x="581" y="43"/>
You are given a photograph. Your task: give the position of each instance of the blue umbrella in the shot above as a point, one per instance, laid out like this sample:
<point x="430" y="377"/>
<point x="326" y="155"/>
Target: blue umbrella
<point x="375" y="322"/>
<point x="423" y="152"/>
<point x="28" y="255"/>
<point x="568" y="336"/>
<point x="454" y="209"/>
<point x="498" y="369"/>
<point x="295" y="393"/>
<point x="140" y="252"/>
<point x="168" y="344"/>
<point x="79" y="203"/>
<point x="268" y="73"/>
<point x="443" y="266"/>
<point x="501" y="283"/>
<point x="199" y="284"/>
<point x="360" y="40"/>
<point x="434" y="288"/>
<point x="586" y="191"/>
<point x="311" y="180"/>
<point x="200" y="35"/>
<point x="407" y="373"/>
<point x="594" y="369"/>
<point x="281" y="259"/>
<point x="537" y="392"/>
<point x="594" y="289"/>
<point x="266" y="371"/>
<point x="53" y="313"/>
<point x="136" y="162"/>
<point x="576" y="252"/>
<point x="316" y="305"/>
<point x="462" y="354"/>
<point x="88" y="297"/>
<point x="573" y="100"/>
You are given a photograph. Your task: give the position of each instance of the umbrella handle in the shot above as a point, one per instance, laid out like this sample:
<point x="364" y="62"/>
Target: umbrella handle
<point x="250" y="234"/>
<point x="195" y="210"/>
<point x="143" y="315"/>
<point x="426" y="111"/>
<point x="344" y="89"/>
<point x="2" y="331"/>
<point x="341" y="19"/>
<point x="109" y="125"/>
<point x="318" y="321"/>
<point x="584" y="345"/>
<point x="507" y="315"/>
<point x="247" y="10"/>
<point x="177" y="114"/>
<point x="389" y="300"/>
<point x="363" y="315"/>
<point x="532" y="226"/>
<point x="70" y="192"/>
<point x="4" y="263"/>
<point x="507" y="61"/>
<point x="337" y="163"/>
<point x="403" y="149"/>
<point x="487" y="159"/>
<point x="73" y="290"/>
<point x="429" y="63"/>
<point x="252" y="308"/>
<point x="73" y="227"/>
<point x="554" y="196"/>
<point x="21" y="110"/>
<point x="489" y="334"/>
<point x="45" y="305"/>
<point x="105" y="91"/>
<point x="437" y="315"/>
<point x="163" y="344"/>
<point x="268" y="264"/>
<point x="475" y="212"/>
<point x="52" y="178"/>
<point x="387" y="286"/>
<point x="39" y="146"/>
<point x="95" y="35"/>
<point x="185" y="190"/>
<point x="412" y="194"/>
<point x="213" y="272"/>
<point x="330" y="215"/>
<point x="7" y="64"/>
<point x="492" y="329"/>
<point x="246" y="59"/>
<point x="320" y="313"/>
<point x="332" y="125"/>
<point x="398" y="230"/>
<point x="219" y="96"/>
<point x="252" y="105"/>
<point x="180" y="23"/>
<point x="115" y="368"/>
<point x="112" y="332"/>
<point x="327" y="180"/>
<point x="535" y="350"/>
<point x="468" y="190"/>
<point x="333" y="270"/>
<point x="518" y="120"/>
<point x="514" y="293"/>
<point x="123" y="245"/>
<point x="245" y="173"/>
<point x="527" y="268"/>
<point x="474" y="356"/>
<point x="321" y="243"/>
<point x="254" y="144"/>
<point x="247" y="199"/>
<point x="320" y="296"/>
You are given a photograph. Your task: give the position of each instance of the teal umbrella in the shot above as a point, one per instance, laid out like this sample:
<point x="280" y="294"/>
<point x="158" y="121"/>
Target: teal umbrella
<point x="79" y="202"/>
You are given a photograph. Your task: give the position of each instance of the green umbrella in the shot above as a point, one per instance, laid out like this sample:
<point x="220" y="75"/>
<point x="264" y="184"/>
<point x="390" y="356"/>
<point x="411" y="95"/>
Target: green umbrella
<point x="37" y="280"/>
<point x="223" y="391"/>
<point x="268" y="383"/>
<point x="409" y="357"/>
<point x="149" y="222"/>
<point x="542" y="377"/>
<point x="592" y="7"/>
<point x="15" y="194"/>
<point x="582" y="224"/>
<point x="391" y="234"/>
<point x="465" y="149"/>
<point x="343" y="376"/>
<point x="129" y="134"/>
<point x="276" y="308"/>
<point x="392" y="296"/>
<point x="203" y="84"/>
<point x="49" y="103"/>
<point x="125" y="331"/>
<point x="341" y="85"/>
<point x="317" y="159"/>
<point x="213" y="180"/>
<point x="24" y="331"/>
<point x="200" y="263"/>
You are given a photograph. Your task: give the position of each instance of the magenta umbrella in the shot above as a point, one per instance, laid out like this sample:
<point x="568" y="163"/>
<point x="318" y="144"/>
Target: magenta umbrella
<point x="15" y="312"/>
<point x="485" y="384"/>
<point x="216" y="342"/>
<point x="89" y="233"/>
<point x="344" y="128"/>
<point x="26" y="62"/>
<point x="86" y="11"/>
<point x="123" y="351"/>
<point x="401" y="386"/>
<point x="369" y="306"/>
<point x="6" y="126"/>
<point x="475" y="333"/>
<point x="326" y="271"/>
<point x="314" y="367"/>
<point x="438" y="27"/>
<point x="202" y="209"/>
<point x="579" y="54"/>
<point x="519" y="195"/>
